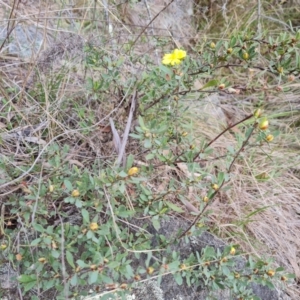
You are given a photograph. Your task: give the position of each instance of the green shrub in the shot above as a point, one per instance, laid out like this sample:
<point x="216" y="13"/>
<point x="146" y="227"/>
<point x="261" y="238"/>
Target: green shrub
<point x="74" y="214"/>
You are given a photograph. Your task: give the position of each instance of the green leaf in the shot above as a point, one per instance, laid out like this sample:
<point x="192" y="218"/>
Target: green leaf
<point x="113" y="264"/>
<point x="129" y="162"/>
<point x="156" y="224"/>
<point x="141" y="122"/>
<point x="147" y="144"/>
<point x="135" y="136"/>
<point x="68" y="185"/>
<point x="38" y="227"/>
<point x="166" y="70"/>
<point x="123" y="174"/>
<point x="85" y="215"/>
<point x="28" y="286"/>
<point x="70" y="259"/>
<point x="55" y="253"/>
<point x="178" y="278"/>
<point x="81" y="263"/>
<point x="174" y="207"/>
<point x="211" y="83"/>
<point x="122" y="187"/>
<point x="221" y="176"/>
<point x="150" y="156"/>
<point x="78" y="203"/>
<point x="270" y="285"/>
<point x="74" y="280"/>
<point x="27" y="278"/>
<point x="90" y="234"/>
<point x="93" y="277"/>
<point x="35" y="242"/>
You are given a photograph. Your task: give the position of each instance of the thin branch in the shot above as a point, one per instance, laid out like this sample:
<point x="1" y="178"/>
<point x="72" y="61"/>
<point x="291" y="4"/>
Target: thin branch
<point x="151" y="23"/>
<point x="127" y="129"/>
<point x="222" y="184"/>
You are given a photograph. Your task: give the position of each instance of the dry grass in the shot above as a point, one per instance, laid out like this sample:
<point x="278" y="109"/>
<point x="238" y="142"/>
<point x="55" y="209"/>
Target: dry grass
<point x="261" y="216"/>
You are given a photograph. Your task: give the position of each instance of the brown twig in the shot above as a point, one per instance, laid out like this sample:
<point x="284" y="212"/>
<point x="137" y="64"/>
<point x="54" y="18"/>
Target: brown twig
<point x="223" y="182"/>
<point x="12" y="27"/>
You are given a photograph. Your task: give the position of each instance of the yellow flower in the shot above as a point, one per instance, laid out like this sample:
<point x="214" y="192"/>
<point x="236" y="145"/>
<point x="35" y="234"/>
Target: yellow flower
<point x="264" y="124"/>
<point x="270" y="137"/>
<point x="257" y="113"/>
<point x="132" y="171"/>
<point x="174" y="58"/>
<point x="94" y="226"/>
<point x="184" y="134"/>
<point x="245" y="56"/>
<point x="150" y="270"/>
<point x="205" y="199"/>
<point x="212" y="45"/>
<point x="75" y="193"/>
<point x="232" y="251"/>
<point x="271" y="273"/>
<point x="3" y="246"/>
<point x="215" y="187"/>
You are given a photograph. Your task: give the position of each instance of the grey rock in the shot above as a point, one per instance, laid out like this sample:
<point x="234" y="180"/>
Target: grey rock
<point x="8" y="277"/>
<point x="24" y="40"/>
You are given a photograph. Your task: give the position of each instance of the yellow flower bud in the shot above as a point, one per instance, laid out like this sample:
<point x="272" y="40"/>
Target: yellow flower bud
<point x="53" y="245"/>
<point x="212" y="45"/>
<point x="93" y="267"/>
<point x="215" y="187"/>
<point x="132" y="171"/>
<point x="51" y="188"/>
<point x="94" y="226"/>
<point x="3" y="246"/>
<point x="232" y="251"/>
<point x="147" y="134"/>
<point x="269" y="137"/>
<point x="224" y="260"/>
<point x="221" y="86"/>
<point x="42" y="260"/>
<point x="19" y="257"/>
<point x="150" y="270"/>
<point x="257" y="113"/>
<point x="283" y="278"/>
<point x="280" y="70"/>
<point x="184" y="134"/>
<point x="245" y="56"/>
<point x="205" y="199"/>
<point x="229" y="50"/>
<point x="124" y="286"/>
<point x="75" y="193"/>
<point x="271" y="273"/>
<point x="264" y="124"/>
<point x="137" y="277"/>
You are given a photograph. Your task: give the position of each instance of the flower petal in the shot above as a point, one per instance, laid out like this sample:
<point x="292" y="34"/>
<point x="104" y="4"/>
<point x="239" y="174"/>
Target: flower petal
<point x="179" y="54"/>
<point x="167" y="59"/>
